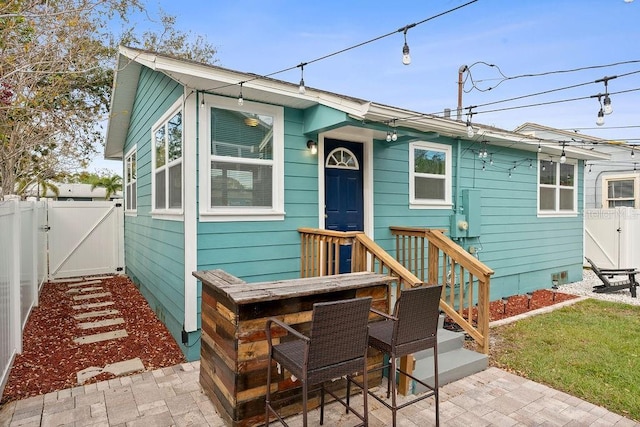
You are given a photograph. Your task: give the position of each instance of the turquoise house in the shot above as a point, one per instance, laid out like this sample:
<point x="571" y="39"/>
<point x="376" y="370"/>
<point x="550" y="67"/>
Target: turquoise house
<point x="211" y="182"/>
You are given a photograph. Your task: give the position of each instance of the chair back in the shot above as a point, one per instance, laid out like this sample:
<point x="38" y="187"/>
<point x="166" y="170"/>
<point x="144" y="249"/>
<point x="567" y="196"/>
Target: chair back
<point x="338" y="332"/>
<point x="417" y="311"/>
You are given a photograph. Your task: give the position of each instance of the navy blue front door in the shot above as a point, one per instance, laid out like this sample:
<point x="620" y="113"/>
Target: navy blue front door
<point x="344" y="200"/>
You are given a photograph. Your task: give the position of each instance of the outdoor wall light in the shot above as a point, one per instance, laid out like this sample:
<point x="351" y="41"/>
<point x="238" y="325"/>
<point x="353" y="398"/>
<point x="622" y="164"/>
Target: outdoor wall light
<point x="312" y="146"/>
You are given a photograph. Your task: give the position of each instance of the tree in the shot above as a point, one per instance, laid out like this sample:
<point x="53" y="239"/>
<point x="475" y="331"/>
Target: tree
<point x="111" y="184"/>
<point x="56" y="70"/>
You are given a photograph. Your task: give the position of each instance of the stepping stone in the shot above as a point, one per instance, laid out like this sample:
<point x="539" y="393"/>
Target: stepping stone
<point x="91" y="282"/>
<point x="100" y="313"/>
<point x="119" y="368"/>
<point x="105" y="336"/>
<point x="99" y="277"/>
<point x="92" y="305"/>
<point x="73" y="279"/>
<point x="91" y="296"/>
<point x="101" y="323"/>
<point x="80" y="290"/>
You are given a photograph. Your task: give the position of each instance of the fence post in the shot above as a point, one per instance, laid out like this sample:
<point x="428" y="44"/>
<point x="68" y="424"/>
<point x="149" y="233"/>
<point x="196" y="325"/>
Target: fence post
<point x="14" y="281"/>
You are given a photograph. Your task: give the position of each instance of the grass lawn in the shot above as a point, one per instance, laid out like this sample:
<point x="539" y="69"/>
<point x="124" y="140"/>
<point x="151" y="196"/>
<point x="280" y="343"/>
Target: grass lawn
<point x="590" y="350"/>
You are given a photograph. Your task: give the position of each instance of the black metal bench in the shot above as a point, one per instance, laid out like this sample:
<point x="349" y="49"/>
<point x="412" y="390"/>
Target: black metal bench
<point x="626" y="279"/>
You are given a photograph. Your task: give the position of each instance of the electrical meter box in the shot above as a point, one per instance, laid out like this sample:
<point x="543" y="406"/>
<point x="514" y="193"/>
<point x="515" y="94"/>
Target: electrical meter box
<point x="471" y="205"/>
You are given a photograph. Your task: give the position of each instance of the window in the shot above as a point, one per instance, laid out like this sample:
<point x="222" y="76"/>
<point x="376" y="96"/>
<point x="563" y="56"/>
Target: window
<point x="167" y="163"/>
<point x="130" y="180"/>
<point x="245" y="171"/>
<point x="429" y="175"/>
<point x="620" y="190"/>
<point x="557" y="191"/>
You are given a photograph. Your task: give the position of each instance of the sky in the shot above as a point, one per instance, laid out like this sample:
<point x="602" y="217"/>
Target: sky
<point x="518" y="37"/>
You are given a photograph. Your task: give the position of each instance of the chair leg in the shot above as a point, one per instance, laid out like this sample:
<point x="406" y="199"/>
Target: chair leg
<point x="394" y="391"/>
<point x="348" y="397"/>
<point x="436" y="384"/>
<point x="304" y="404"/>
<point x="267" y="399"/>
<point x="365" y="393"/>
<point x="321" y="403"/>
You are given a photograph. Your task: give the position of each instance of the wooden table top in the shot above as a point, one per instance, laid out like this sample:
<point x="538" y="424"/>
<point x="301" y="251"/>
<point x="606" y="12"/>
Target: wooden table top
<point x="246" y="293"/>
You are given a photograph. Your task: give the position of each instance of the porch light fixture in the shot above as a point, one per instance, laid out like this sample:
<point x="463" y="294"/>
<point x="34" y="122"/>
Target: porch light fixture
<point x="240" y="98"/>
<point x="312" y="146"/>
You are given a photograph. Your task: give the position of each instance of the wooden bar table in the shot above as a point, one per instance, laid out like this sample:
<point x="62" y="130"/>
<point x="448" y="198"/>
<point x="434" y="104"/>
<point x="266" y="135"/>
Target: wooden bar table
<point x="234" y="350"/>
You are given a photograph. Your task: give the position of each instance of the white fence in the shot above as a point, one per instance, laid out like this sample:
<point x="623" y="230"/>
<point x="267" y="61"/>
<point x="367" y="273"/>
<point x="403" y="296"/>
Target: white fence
<point x="612" y="237"/>
<point x="22" y="272"/>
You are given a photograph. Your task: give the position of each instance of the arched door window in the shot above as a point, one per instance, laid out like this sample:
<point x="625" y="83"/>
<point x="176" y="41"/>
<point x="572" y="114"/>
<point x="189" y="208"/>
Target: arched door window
<point x="342" y="158"/>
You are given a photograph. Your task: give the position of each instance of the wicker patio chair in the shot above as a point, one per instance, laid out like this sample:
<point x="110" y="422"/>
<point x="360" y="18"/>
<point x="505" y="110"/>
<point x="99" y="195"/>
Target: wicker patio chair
<point x="615" y="279"/>
<point x="412" y="328"/>
<point x="336" y="347"/>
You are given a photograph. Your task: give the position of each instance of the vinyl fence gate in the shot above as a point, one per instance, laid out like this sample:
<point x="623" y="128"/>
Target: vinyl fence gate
<point x="612" y="237"/>
<point x="42" y="240"/>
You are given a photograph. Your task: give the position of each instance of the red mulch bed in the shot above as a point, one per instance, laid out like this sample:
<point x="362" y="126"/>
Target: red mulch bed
<point x="51" y="359"/>
<point x="517" y="304"/>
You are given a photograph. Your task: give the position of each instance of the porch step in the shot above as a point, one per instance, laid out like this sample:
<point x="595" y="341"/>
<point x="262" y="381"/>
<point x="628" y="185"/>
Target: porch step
<point x="452" y="366"/>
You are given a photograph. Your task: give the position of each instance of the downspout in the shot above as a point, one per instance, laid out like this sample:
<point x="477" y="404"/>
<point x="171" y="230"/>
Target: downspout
<point x="456" y="207"/>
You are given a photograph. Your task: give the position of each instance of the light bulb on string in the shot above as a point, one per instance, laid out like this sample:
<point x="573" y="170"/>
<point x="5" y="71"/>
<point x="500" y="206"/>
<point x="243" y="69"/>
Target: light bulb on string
<point x="406" y="57"/>
<point x="483" y="165"/>
<point x="608" y="109"/>
<point x="633" y="154"/>
<point x="394" y="135"/>
<point x="301" y="88"/>
<point x="388" y="136"/>
<point x="563" y="156"/>
<point x="240" y="98"/>
<point x="600" y="119"/>
<point x="539" y="148"/>
<point x="491" y="160"/>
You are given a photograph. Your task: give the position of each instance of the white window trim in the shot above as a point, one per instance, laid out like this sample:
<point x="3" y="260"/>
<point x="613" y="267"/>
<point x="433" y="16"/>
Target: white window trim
<point x="558" y="213"/>
<point x="127" y="211"/>
<point x="234" y="214"/>
<point x="620" y="177"/>
<point x="430" y="203"/>
<point x="168" y="214"/>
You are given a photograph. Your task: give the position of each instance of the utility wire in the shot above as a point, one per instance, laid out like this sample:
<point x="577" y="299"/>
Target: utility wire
<point x="302" y="64"/>
<point x="545" y="73"/>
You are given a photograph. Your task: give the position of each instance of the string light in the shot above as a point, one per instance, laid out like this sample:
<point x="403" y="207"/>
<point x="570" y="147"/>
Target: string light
<point x="607" y="109"/>
<point x="483" y="165"/>
<point x="600" y="119"/>
<point x="301" y="88"/>
<point x="394" y="135"/>
<point x="406" y="58"/>
<point x="388" y="136"/>
<point x="563" y="156"/>
<point x="240" y="98"/>
<point x="539" y="148"/>
<point x="470" y="131"/>
<point x="633" y="154"/>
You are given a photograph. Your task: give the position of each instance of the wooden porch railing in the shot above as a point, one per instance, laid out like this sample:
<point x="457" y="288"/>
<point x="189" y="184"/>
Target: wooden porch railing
<point x="423" y="256"/>
<point x="434" y="258"/>
<point x="320" y="256"/>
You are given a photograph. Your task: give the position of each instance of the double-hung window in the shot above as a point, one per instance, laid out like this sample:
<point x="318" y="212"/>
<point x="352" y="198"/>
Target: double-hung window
<point x="429" y="176"/>
<point x="130" y="182"/>
<point x="167" y="163"/>
<point x="557" y="191"/>
<point x="620" y="190"/>
<point x="245" y="162"/>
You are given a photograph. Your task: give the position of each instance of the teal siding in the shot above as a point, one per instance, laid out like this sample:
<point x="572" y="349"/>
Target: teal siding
<point x="522" y="249"/>
<point x="154" y="248"/>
